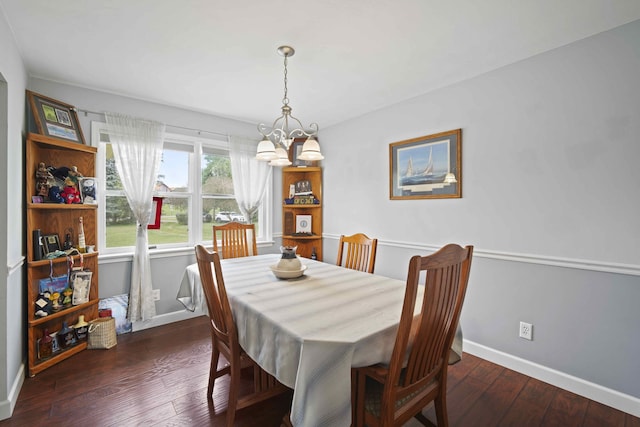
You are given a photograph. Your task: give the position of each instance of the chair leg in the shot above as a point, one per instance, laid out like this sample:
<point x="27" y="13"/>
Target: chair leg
<point x="440" y="403"/>
<point x="213" y="369"/>
<point x="424" y="420"/>
<point x="359" y="411"/>
<point x="232" y="403"/>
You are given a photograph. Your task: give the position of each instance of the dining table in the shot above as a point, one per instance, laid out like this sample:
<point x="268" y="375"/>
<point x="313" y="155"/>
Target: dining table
<point x="309" y="331"/>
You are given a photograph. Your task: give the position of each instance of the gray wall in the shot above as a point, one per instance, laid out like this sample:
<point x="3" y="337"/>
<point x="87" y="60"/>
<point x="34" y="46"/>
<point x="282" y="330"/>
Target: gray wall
<point x="13" y="80"/>
<point x="550" y="201"/>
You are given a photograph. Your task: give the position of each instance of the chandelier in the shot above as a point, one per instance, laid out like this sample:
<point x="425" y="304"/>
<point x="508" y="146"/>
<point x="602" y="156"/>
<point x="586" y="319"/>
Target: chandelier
<point x="275" y="143"/>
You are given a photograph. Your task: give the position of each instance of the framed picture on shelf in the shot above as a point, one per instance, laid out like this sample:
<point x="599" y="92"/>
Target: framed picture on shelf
<point x="55" y="118"/>
<point x="303" y="224"/>
<point x="51" y="243"/>
<point x="427" y="167"/>
<point x="295" y="150"/>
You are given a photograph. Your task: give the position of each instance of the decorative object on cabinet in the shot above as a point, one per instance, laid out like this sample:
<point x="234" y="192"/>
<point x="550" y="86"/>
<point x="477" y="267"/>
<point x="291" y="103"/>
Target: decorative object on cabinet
<point x="51" y="243"/>
<point x="55" y="118"/>
<point x="37" y="245"/>
<point x="81" y="328"/>
<point x="46" y="310"/>
<point x="81" y="284"/>
<point x="303" y="224"/>
<point x="88" y="189"/>
<point x="427" y="167"/>
<point x="295" y="150"/>
<point x="294" y="211"/>
<point x="288" y="223"/>
<point x="277" y="140"/>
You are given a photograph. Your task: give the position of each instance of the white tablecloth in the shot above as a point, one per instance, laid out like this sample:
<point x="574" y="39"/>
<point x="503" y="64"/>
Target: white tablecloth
<point x="309" y="332"/>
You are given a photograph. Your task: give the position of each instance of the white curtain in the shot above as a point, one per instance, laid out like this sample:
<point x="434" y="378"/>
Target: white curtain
<point x="250" y="176"/>
<point x="137" y="149"/>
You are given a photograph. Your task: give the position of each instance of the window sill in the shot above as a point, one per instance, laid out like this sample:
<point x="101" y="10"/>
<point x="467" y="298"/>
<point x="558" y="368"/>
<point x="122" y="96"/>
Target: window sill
<point x="160" y="253"/>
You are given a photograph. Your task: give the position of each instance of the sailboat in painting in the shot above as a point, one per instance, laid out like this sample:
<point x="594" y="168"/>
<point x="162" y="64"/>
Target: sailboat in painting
<point x="425" y="176"/>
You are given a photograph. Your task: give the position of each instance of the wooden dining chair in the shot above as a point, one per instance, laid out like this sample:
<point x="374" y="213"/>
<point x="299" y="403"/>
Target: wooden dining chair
<point x="391" y="394"/>
<point x="224" y="340"/>
<point x="236" y="240"/>
<point x="358" y="251"/>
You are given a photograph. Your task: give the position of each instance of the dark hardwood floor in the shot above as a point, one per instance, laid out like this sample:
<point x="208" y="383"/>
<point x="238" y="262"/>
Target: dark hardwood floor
<point x="158" y="377"/>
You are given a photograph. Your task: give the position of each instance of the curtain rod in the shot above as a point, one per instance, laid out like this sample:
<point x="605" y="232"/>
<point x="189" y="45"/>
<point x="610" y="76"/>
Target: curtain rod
<point x="199" y="131"/>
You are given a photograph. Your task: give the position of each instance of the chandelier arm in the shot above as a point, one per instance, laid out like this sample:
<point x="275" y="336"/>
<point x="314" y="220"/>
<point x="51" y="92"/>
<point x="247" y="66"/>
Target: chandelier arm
<point x="264" y="130"/>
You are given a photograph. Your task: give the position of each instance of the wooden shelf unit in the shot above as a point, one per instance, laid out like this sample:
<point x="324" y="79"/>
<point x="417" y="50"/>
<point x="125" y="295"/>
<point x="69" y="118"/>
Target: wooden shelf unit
<point x="305" y="244"/>
<point x="55" y="218"/>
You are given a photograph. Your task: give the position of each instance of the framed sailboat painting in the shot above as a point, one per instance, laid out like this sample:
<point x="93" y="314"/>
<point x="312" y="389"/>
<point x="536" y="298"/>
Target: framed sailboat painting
<point x="427" y="167"/>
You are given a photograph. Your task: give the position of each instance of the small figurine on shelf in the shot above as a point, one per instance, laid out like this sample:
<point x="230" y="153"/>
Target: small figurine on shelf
<point x="55" y="301"/>
<point x="70" y="194"/>
<point x="55" y="195"/>
<point x="75" y="176"/>
<point x="43" y="304"/>
<point x="66" y="297"/>
<point x="68" y="239"/>
<point x="43" y="180"/>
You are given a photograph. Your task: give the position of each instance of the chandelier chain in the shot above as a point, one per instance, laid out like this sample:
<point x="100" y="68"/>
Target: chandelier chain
<point x="285" y="100"/>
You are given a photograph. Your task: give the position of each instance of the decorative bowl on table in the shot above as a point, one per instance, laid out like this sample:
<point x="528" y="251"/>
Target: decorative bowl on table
<point x="287" y="274"/>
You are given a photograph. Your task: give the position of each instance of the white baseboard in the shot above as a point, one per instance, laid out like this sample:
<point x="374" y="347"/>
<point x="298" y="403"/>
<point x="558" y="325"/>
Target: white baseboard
<point x="165" y="319"/>
<point x="7" y="406"/>
<point x="598" y="393"/>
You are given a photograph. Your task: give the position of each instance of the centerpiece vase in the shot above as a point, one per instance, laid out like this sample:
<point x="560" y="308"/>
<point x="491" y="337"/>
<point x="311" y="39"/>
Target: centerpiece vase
<point x="289" y="260"/>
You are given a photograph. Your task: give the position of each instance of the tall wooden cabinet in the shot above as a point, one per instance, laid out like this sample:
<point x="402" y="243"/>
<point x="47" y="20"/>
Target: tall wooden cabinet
<point x="291" y="211"/>
<point x="54" y="218"/>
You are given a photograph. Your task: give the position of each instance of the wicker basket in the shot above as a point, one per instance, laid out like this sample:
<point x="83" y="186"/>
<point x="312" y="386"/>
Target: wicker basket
<point x="102" y="333"/>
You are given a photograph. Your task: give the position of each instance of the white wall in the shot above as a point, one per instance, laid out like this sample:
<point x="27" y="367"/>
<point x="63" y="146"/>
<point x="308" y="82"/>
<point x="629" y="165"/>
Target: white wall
<point x="12" y="117"/>
<point x="550" y="201"/>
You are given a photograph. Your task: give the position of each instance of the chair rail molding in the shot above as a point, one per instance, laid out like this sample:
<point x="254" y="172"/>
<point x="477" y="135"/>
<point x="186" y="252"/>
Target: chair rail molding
<point x="593" y="265"/>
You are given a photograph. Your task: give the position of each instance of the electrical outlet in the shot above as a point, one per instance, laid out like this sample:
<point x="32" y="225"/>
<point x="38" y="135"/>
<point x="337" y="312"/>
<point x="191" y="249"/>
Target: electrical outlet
<point x="526" y="331"/>
<point x="156" y="294"/>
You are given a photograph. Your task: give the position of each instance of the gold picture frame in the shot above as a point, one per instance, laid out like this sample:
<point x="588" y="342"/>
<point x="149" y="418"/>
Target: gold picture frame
<point x="55" y="118"/>
<point x="427" y="167"/>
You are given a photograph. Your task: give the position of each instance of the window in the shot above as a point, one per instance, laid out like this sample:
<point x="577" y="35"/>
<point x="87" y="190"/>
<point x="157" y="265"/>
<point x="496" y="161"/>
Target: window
<point x="195" y="183"/>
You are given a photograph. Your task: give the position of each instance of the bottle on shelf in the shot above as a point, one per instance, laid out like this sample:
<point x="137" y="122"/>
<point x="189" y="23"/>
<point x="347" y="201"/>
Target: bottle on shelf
<point x="82" y="246"/>
<point x="81" y="328"/>
<point x="66" y="336"/>
<point x="45" y="345"/>
<point x="314" y="255"/>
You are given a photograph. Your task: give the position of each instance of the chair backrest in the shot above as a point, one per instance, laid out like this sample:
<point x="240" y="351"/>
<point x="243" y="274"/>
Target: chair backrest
<point x="215" y="294"/>
<point x="428" y="336"/>
<point x="236" y="240"/>
<point x="360" y="253"/>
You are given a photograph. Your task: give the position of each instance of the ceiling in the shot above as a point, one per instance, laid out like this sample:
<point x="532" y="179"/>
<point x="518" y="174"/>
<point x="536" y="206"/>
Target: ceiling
<point x="352" y="56"/>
